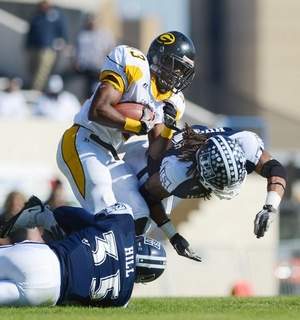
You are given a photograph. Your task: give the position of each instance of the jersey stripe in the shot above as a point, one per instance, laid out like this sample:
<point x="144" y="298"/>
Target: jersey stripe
<point x="71" y="158"/>
<point x="133" y="74"/>
<point x="114" y="79"/>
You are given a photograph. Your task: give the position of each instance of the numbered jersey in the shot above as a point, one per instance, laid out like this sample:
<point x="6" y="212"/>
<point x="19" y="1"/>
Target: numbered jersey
<point x="127" y="69"/>
<point x="98" y="262"/>
<point x="173" y="172"/>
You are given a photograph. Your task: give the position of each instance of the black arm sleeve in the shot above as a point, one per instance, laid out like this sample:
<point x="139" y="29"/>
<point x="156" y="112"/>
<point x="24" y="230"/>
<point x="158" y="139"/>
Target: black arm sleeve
<point x="273" y="168"/>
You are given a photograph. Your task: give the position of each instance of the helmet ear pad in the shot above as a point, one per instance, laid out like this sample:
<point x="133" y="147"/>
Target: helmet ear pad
<point x="171" y="58"/>
<point x="150" y="259"/>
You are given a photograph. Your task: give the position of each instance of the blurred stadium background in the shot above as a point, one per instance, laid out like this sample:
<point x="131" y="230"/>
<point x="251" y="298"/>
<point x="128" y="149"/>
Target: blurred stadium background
<point x="248" y="76"/>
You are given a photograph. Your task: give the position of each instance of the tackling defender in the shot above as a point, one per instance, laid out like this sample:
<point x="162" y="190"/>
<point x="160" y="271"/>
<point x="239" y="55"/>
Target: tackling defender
<point x="88" y="154"/>
<point x="96" y="263"/>
<point x="203" y="161"/>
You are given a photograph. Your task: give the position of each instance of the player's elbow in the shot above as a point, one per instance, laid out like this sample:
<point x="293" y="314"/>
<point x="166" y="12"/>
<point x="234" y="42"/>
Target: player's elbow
<point x="94" y="113"/>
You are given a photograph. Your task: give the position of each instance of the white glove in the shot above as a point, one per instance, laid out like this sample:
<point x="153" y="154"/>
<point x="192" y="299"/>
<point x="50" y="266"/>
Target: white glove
<point x="147" y="120"/>
<point x="263" y="220"/>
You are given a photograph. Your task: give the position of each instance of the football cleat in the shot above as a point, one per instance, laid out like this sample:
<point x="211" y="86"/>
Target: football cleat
<point x="33" y="206"/>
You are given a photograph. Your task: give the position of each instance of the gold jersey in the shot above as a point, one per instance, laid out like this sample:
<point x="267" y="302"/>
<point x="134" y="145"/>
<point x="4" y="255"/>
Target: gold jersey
<point x="127" y="69"/>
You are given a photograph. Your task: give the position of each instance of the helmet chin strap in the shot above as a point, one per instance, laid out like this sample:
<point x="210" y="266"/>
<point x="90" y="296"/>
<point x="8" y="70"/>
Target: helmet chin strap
<point x="158" y="84"/>
<point x="160" y="88"/>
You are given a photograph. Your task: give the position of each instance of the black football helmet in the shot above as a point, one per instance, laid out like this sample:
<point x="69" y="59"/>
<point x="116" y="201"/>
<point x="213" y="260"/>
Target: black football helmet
<point x="171" y="58"/>
<point x="150" y="259"/>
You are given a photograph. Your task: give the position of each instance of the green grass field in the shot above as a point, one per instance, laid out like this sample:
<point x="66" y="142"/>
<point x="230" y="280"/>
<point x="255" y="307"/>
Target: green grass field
<point x="171" y="308"/>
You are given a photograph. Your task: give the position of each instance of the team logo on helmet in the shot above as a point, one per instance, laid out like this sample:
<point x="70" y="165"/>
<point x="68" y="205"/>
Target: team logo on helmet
<point x="166" y="38"/>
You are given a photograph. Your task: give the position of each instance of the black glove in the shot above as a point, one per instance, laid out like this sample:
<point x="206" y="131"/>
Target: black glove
<point x="182" y="247"/>
<point x="170" y="114"/>
<point x="263" y="220"/>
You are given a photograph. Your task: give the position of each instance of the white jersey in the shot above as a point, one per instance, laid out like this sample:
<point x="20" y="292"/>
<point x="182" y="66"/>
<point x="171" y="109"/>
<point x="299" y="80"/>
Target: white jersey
<point x="127" y="69"/>
<point x="174" y="172"/>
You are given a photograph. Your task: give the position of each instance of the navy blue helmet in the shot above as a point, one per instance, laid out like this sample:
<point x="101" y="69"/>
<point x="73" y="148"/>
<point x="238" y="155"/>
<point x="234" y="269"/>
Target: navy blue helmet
<point x="221" y="164"/>
<point x="171" y="58"/>
<point x="150" y="259"/>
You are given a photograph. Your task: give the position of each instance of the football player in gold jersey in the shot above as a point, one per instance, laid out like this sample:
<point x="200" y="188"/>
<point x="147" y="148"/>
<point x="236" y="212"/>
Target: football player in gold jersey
<point x="88" y="153"/>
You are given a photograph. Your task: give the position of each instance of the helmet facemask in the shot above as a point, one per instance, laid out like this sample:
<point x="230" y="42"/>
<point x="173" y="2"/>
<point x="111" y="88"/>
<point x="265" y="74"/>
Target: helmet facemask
<point x="173" y="73"/>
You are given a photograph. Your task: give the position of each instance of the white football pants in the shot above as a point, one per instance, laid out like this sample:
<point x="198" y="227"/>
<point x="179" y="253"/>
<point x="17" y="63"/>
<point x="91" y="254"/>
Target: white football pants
<point x="29" y="275"/>
<point x="96" y="178"/>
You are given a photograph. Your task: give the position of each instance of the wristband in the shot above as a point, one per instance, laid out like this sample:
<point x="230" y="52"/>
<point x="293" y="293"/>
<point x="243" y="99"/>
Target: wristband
<point x="168" y="229"/>
<point x="132" y="125"/>
<point x="167" y="133"/>
<point x="273" y="199"/>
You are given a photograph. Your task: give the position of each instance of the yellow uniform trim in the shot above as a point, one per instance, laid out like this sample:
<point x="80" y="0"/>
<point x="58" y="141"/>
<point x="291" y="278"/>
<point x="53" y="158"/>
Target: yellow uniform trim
<point x="167" y="133"/>
<point x="133" y="74"/>
<point x="113" y="78"/>
<point x="71" y="158"/>
<point x="132" y="125"/>
<point x="156" y="94"/>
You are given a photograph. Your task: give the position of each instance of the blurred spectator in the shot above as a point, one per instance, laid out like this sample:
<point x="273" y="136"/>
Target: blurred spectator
<point x="93" y="44"/>
<point x="46" y="36"/>
<point x="55" y="103"/>
<point x="13" y="203"/>
<point x="12" y="101"/>
<point x="57" y="196"/>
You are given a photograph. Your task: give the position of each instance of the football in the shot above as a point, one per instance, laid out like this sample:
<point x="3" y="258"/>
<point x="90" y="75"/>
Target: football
<point x="134" y="110"/>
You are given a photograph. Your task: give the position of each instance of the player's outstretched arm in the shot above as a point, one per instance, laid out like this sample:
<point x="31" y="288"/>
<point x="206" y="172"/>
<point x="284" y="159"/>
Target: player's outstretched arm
<point x="276" y="177"/>
<point x="153" y="192"/>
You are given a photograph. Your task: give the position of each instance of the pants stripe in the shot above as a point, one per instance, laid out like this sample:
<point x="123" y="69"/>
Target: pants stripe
<point x="71" y="158"/>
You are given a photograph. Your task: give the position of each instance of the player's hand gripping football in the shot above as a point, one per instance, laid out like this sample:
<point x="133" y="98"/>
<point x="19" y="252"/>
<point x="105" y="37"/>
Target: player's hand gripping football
<point x="263" y="220"/>
<point x="147" y="120"/>
<point x="183" y="248"/>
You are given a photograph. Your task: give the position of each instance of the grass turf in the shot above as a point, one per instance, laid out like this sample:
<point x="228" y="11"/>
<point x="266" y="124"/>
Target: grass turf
<point x="171" y="308"/>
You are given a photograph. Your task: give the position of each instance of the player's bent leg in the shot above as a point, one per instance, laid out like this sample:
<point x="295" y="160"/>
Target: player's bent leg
<point x="126" y="189"/>
<point x="9" y="293"/>
<point x="87" y="172"/>
<point x="99" y="190"/>
<point x="34" y="269"/>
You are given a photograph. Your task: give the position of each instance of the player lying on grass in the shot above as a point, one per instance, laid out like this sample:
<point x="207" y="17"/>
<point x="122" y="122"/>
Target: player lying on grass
<point x="96" y="263"/>
<point x="203" y="161"/>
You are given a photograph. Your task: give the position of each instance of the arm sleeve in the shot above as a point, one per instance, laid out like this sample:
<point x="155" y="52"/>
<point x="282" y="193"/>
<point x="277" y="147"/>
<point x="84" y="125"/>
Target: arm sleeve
<point x="113" y="69"/>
